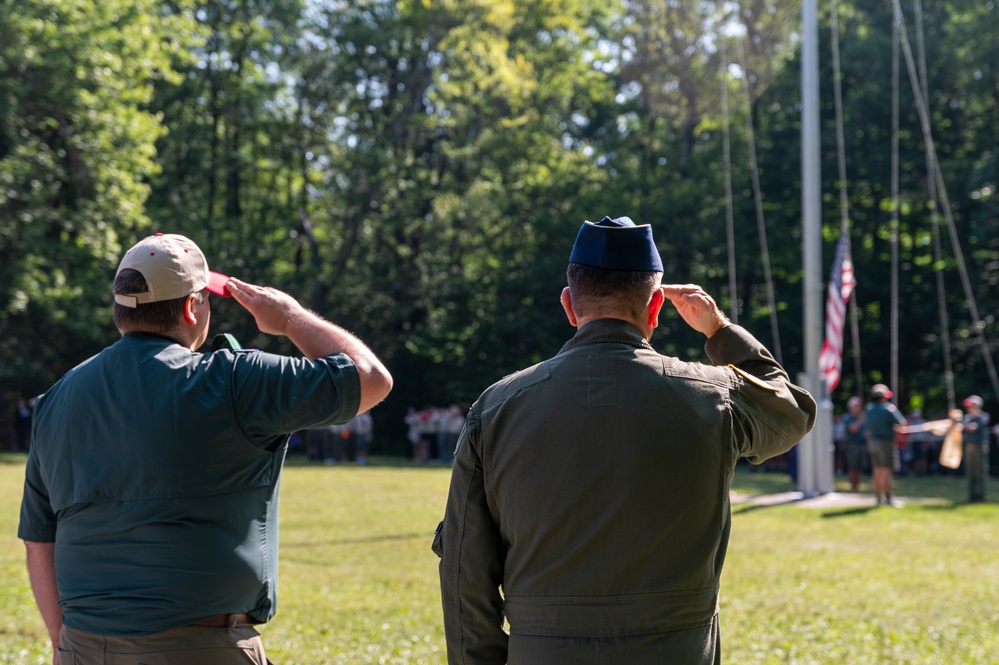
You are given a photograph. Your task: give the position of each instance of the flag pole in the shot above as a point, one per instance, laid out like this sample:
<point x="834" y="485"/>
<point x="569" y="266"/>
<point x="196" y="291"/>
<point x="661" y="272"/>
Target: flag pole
<point x="815" y="450"/>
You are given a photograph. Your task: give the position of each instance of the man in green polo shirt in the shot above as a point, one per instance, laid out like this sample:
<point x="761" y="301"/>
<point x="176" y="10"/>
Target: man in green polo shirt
<point x="150" y="508"/>
<point x="593" y="488"/>
<point x="883" y="419"/>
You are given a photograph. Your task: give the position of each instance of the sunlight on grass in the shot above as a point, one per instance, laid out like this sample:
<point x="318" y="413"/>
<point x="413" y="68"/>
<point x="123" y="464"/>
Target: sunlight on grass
<point x="358" y="582"/>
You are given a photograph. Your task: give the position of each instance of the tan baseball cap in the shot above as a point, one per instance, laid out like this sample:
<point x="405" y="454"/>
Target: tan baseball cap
<point x="974" y="400"/>
<point x="173" y="266"/>
<point x="881" y="390"/>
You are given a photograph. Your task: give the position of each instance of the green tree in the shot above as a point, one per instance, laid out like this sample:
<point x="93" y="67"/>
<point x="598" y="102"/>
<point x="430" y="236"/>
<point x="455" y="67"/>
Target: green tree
<point x="448" y="156"/>
<point x="228" y="175"/>
<point x="76" y="144"/>
<point x="667" y="152"/>
<point x="956" y="85"/>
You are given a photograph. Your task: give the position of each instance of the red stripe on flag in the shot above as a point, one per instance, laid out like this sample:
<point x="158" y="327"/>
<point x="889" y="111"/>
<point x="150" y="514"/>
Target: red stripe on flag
<point x="841" y="285"/>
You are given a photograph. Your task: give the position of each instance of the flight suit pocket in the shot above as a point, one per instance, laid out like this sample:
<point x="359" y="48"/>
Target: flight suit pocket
<point x="438" y="545"/>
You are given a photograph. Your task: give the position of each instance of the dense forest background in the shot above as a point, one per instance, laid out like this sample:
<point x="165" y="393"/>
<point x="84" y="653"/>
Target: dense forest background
<point x="416" y="171"/>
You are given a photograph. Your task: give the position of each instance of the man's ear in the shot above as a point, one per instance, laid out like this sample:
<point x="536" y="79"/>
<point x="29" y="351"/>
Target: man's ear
<point x="189" y="313"/>
<point x="656" y="306"/>
<point x="567" y="306"/>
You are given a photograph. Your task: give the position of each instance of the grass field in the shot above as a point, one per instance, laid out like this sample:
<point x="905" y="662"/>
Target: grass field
<point x="358" y="582"/>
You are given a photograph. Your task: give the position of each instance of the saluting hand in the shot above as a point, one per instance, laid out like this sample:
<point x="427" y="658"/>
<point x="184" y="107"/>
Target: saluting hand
<point x="696" y="307"/>
<point x="273" y="310"/>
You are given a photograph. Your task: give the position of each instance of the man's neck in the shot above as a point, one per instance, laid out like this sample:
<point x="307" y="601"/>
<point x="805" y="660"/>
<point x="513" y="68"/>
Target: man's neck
<point x="645" y="330"/>
<point x="175" y="335"/>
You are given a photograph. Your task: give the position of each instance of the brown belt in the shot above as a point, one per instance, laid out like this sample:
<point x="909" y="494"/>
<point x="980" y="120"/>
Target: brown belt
<point x="227" y="621"/>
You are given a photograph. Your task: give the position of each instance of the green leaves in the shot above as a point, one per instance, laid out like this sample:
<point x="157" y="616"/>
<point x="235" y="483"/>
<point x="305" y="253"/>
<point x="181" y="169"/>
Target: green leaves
<point x="417" y="170"/>
<point x="76" y="145"/>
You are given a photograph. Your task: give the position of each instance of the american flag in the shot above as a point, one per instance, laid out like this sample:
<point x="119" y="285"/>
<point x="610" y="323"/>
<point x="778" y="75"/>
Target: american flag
<point x="841" y="284"/>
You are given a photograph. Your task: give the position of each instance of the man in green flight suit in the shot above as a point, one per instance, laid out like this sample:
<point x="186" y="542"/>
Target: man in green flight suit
<point x="593" y="488"/>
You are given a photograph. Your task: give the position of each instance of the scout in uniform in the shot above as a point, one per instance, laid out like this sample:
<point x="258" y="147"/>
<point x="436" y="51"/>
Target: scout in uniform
<point x="883" y="419"/>
<point x="975" y="432"/>
<point x="151" y="492"/>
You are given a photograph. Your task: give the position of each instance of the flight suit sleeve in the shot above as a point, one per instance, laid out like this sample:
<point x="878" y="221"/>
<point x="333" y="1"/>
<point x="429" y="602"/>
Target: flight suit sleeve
<point x="770" y="414"/>
<point x="471" y="565"/>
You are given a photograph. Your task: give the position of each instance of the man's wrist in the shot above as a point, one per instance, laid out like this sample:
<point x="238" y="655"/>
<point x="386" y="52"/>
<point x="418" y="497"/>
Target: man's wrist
<point x="297" y="319"/>
<point x="721" y="326"/>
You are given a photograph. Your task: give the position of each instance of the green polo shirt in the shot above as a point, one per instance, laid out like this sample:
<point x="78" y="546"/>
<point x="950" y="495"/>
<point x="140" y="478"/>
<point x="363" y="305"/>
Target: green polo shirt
<point x="881" y="420"/>
<point x="155" y="471"/>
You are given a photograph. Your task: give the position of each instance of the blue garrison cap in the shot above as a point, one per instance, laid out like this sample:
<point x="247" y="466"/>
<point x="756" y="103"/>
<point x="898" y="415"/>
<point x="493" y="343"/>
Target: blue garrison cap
<point x="616" y="244"/>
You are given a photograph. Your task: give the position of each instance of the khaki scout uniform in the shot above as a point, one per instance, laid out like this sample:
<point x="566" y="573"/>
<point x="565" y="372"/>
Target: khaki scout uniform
<point x="593" y="488"/>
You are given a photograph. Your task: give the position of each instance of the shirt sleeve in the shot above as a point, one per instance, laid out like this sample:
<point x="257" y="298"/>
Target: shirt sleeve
<point x="276" y="395"/>
<point x="471" y="566"/>
<point x="770" y="414"/>
<point x="38" y="520"/>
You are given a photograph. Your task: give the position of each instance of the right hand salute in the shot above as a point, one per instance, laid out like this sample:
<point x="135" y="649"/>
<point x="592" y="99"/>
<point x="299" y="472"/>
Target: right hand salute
<point x="277" y="313"/>
<point x="272" y="309"/>
<point x="696" y="307"/>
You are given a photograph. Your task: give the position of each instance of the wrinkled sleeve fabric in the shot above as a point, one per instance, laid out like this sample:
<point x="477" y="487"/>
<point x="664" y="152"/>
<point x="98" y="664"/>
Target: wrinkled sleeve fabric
<point x="770" y="413"/>
<point x="471" y="566"/>
<point x="38" y="520"/>
<point x="275" y="395"/>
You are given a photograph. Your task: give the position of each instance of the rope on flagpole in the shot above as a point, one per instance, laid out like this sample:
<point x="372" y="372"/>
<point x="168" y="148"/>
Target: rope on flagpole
<point x="758" y="200"/>
<point x="844" y="200"/>
<point x="935" y="226"/>
<point x="924" y="117"/>
<point x="727" y="158"/>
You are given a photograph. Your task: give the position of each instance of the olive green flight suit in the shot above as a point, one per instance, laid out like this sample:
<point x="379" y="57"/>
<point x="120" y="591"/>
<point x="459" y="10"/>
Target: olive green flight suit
<point x="593" y="489"/>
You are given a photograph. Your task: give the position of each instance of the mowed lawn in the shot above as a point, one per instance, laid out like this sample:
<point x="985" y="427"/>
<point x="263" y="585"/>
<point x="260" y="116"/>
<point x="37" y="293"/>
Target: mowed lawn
<point x="850" y="585"/>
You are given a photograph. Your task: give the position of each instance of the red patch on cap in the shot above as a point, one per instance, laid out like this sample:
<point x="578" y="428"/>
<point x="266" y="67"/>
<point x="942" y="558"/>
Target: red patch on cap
<point x="216" y="284"/>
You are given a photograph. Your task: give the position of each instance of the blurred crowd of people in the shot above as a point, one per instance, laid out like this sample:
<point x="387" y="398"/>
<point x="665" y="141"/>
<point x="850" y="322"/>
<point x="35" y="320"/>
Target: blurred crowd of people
<point x="433" y="433"/>
<point x="918" y="452"/>
<point x="918" y="446"/>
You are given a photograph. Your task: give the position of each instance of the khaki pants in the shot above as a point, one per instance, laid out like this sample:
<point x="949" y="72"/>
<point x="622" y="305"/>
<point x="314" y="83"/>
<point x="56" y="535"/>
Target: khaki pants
<point x="190" y="645"/>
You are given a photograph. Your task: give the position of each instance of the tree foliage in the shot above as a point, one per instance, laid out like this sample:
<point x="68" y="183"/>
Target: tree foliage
<point x="76" y="147"/>
<point x="417" y="170"/>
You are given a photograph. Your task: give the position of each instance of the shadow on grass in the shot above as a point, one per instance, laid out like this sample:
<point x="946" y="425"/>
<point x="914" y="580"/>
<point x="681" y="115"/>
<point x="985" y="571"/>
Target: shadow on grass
<point x="289" y="550"/>
<point x="849" y="512"/>
<point x="742" y="509"/>
<point x="952" y="506"/>
<point x="385" y="538"/>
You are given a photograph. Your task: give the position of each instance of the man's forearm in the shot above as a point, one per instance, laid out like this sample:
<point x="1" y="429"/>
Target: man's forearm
<point x="277" y="313"/>
<point x="317" y="338"/>
<point x="41" y="573"/>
